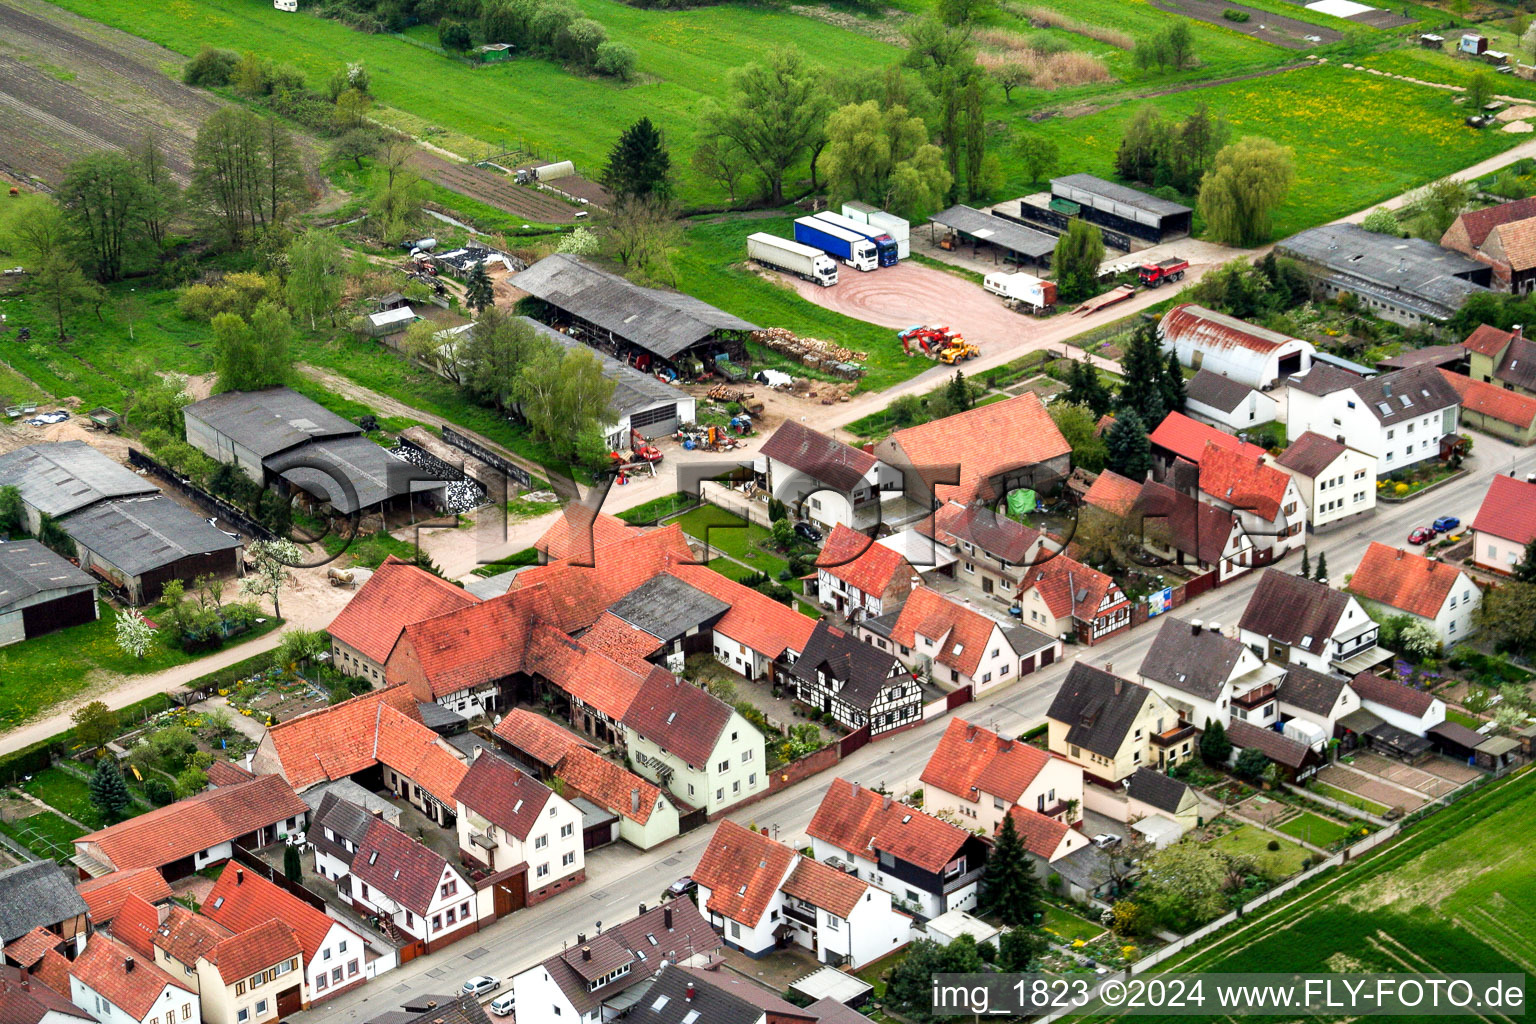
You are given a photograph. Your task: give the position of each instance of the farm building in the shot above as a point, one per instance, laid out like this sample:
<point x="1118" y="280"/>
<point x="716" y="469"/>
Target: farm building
<point x="646" y="326"/>
<point x="41" y="592"/>
<point x="1227" y="403"/>
<point x="124" y="529"/>
<point x="278" y="434"/>
<point x="1406" y="280"/>
<point x="1207" y="340"/>
<point x="1122" y="210"/>
<point x="1493" y="410"/>
<point x="1499" y="236"/>
<point x="1011" y="241"/>
<point x="389" y="321"/>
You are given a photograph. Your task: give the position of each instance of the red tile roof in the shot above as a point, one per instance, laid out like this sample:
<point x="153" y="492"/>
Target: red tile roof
<point x="742" y="869"/>
<point x="187" y="937"/>
<point x="1185" y="523"/>
<point x="242" y="900"/>
<point x="1404" y="580"/>
<point x="1488" y="340"/>
<point x="591" y="677"/>
<point x="1068" y="587"/>
<point x="1392" y="694"/>
<point x="136" y="925"/>
<point x="579" y="593"/>
<point x="1113" y="493"/>
<point x="470" y="646"/>
<point x="820" y="457"/>
<point x="609" y="785"/>
<point x="1188" y="438"/>
<point x="579" y="532"/>
<point x="251" y="952"/>
<point x="396" y="595"/>
<point x="103" y="967"/>
<point x="1508" y="510"/>
<point x="824" y="887"/>
<point x="1492" y="401"/>
<point x="31" y="947"/>
<point x="863" y="822"/>
<point x="983" y="442"/>
<point x="227" y="773"/>
<point x="976" y="524"/>
<point x="27" y="999"/>
<point x="418" y="753"/>
<point x="624" y="643"/>
<point x="679" y="717"/>
<point x="190" y="826"/>
<point x="499" y="792"/>
<point x="337" y="741"/>
<point x="1243" y="480"/>
<point x="859" y="562"/>
<point x="756" y="620"/>
<point x="1041" y="835"/>
<point x="398" y="866"/>
<point x="54" y="971"/>
<point x="965" y="631"/>
<point x="970" y="761"/>
<point x="1310" y="454"/>
<point x="538" y="737"/>
<point x="1479" y="222"/>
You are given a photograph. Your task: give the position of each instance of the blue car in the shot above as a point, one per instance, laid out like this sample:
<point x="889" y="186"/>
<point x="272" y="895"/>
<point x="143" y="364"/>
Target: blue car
<point x="1445" y="524"/>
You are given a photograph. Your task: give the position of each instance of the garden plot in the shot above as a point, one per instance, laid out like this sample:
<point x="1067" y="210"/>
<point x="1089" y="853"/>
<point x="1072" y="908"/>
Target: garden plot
<point x="493" y="189"/>
<point x="1371" y="788"/>
<point x="1428" y="783"/>
<point x="1271" y="28"/>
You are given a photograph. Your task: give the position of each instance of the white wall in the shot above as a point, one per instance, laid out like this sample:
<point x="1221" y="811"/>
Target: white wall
<point x="870" y="932"/>
<point x="753" y="939"/>
<point x="342" y="948"/>
<point x="1496" y="553"/>
<point x="1345" y="413"/>
<point x="1256" y="409"/>
<point x="172" y="1000"/>
<point x="539" y="998"/>
<point x="1406" y="722"/>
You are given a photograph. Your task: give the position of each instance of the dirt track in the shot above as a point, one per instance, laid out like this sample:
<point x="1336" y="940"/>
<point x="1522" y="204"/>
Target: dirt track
<point x="493" y="189"/>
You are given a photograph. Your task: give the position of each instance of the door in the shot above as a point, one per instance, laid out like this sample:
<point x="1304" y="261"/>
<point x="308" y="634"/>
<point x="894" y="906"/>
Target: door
<point x="986" y="584"/>
<point x="289" y="1002"/>
<point x="1047" y="656"/>
<point x="511" y="895"/>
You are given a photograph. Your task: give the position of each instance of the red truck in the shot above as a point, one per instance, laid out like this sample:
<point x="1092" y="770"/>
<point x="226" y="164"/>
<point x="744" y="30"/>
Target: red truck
<point x="1154" y="274"/>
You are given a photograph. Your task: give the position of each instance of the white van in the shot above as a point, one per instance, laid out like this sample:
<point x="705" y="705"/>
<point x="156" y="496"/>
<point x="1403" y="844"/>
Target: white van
<point x="286" y="5"/>
<point x="502" y="1005"/>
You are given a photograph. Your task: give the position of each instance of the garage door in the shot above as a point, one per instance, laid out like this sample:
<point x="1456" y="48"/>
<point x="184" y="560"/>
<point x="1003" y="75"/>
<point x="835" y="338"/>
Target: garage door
<point x="653" y="422"/>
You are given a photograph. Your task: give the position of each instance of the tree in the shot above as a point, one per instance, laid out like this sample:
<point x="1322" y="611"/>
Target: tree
<point x="615" y="59"/>
<point x="33" y="228"/>
<point x="478" y="291"/>
<point x="1382" y="221"/>
<point x="1479" y="90"/>
<point x="1418" y="641"/>
<point x="562" y="394"/>
<point x="103" y="197"/>
<point x="270" y="560"/>
<point x="1173" y="47"/>
<point x="1306" y="564"/>
<point x="491" y="359"/>
<point x="638" y="164"/>
<point x="1250" y="764"/>
<point x="1525" y="572"/>
<point x="395" y="198"/>
<point x="1128" y="450"/>
<point x="95" y="724"/>
<point x="1182" y="885"/>
<point x="1433" y="208"/>
<point x="1011" y="72"/>
<point x="961" y="12"/>
<point x="1085" y="387"/>
<point x="909" y="988"/>
<point x="1172" y="384"/>
<point x="293" y="863"/>
<point x="1322" y="567"/>
<point x="1039" y="156"/>
<point x="1008" y="882"/>
<point x="883" y="156"/>
<point x="1079" y="253"/>
<point x="580" y="242"/>
<point x="355" y="145"/>
<point x="252" y="356"/>
<point x="783" y="533"/>
<point x="1141" y="145"/>
<point x="13" y="514"/>
<point x="959" y="393"/>
<point x="132" y="633"/>
<point x="454" y="35"/>
<point x="946" y="59"/>
<point x="246" y="171"/>
<point x="1077" y="423"/>
<point x="190" y="781"/>
<point x="315" y="274"/>
<point x="63" y="286"/>
<point x="351" y="112"/>
<point x="109" y="793"/>
<point x="723" y="161"/>
<point x="1215" y="748"/>
<point x="774" y="112"/>
<point x="1143" y="369"/>
<point x="643" y="233"/>
<point x="1020" y="949"/>
<point x="1246" y="182"/>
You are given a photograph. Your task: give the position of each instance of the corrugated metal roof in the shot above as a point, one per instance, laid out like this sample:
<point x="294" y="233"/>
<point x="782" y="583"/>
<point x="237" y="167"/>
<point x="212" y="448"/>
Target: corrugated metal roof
<point x="1118" y="194"/>
<point x="1408" y="272"/>
<point x="144" y="533"/>
<point x="997" y="231"/>
<point x="60" y="478"/>
<point x="373" y="473"/>
<point x="27" y="568"/>
<point x="1208" y="329"/>
<point x="269" y="421"/>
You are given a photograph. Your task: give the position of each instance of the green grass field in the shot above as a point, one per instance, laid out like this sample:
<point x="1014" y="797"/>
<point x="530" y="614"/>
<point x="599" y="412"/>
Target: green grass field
<point x="1314" y="829"/>
<point x="1457" y="894"/>
<point x="1067" y="926"/>
<point x="1358" y="138"/>
<point x="1252" y="841"/>
<point x="45" y="834"/>
<point x="65" y="791"/>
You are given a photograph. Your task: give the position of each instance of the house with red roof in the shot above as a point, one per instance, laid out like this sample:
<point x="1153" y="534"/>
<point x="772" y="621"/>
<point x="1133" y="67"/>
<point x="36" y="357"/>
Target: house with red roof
<point x="412" y="888"/>
<point x="955" y="644"/>
<point x="1397" y="704"/>
<point x="1493" y="409"/>
<point x="1045" y="839"/>
<point x="596" y="688"/>
<point x="1266" y="501"/>
<point x="859" y="578"/>
<point x="759" y="894"/>
<point x="119" y="985"/>
<point x="824" y="480"/>
<point x="1062" y="595"/>
<point x="758" y="638"/>
<point x="198" y="832"/>
<point x="535" y="742"/>
<point x="647" y="815"/>
<point x="1179" y="437"/>
<point x="516" y="834"/>
<point x="930" y="866"/>
<point x="697" y="746"/>
<point x="396" y="595"/>
<point x="1505" y="524"/>
<point x="1506" y="359"/>
<point x="579" y="532"/>
<point x="1337" y="482"/>
<point x="1427" y="590"/>
<point x="1186" y="531"/>
<point x="977" y="775"/>
<point x="27" y="999"/>
<point x="1112" y="493"/>
<point x="980" y="454"/>
<point x="336" y="958"/>
<point x="990" y="551"/>
<point x="104" y="896"/>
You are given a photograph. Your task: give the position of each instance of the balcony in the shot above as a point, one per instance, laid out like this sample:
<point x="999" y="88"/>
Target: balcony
<point x="801" y="914"/>
<point x="1256" y="697"/>
<point x="962" y="880"/>
<point x="482" y="840"/>
<point x="1172" y="737"/>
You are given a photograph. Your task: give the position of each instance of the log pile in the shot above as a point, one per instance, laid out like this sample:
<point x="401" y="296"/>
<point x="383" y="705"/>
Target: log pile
<point x="825" y="355"/>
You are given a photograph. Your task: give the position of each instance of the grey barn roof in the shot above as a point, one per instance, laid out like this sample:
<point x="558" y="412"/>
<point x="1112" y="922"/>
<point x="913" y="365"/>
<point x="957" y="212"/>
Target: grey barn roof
<point x="27" y="568"/>
<point x="632" y="390"/>
<point x="666" y="323"/>
<point x="57" y="479"/>
<point x="269" y="421"/>
<point x="139" y="535"/>
<point x="666" y="607"/>
<point x="1210" y="388"/>
<point x="1157" y="789"/>
<point x="375" y="475"/>
<point x="1115" y="193"/>
<point x="1408" y="272"/>
<point x="35" y="895"/>
<point x="864" y="669"/>
<point x="1311" y="691"/>
<point x="997" y="231"/>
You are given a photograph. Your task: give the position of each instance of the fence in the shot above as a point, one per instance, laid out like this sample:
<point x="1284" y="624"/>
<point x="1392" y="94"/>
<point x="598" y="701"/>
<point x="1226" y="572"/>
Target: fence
<point x="515" y="473"/>
<point x="234" y="513"/>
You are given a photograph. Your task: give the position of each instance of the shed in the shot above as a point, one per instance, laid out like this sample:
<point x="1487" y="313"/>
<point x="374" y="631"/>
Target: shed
<point x="1158" y="830"/>
<point x="831" y="983"/>
<point x="1014" y="242"/>
<point x="1123" y="209"/>
<point x="1497" y="752"/>
<point x="390" y="321"/>
<point x="640" y="400"/>
<point x="64" y="477"/>
<point x="1455" y="740"/>
<point x="952" y="924"/>
<point x="352" y="474"/>
<point x="1223" y="402"/>
<point x="142" y="543"/>
<point x="495" y="53"/>
<point x="41" y="592"/>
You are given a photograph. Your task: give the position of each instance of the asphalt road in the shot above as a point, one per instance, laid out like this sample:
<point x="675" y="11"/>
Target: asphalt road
<point x="620" y="878"/>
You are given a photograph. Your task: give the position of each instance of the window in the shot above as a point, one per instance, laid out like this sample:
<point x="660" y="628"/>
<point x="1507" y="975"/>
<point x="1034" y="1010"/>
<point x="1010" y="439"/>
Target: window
<point x="566" y="830"/>
<point x="453" y="915"/>
<point x="997" y="803"/>
<point x="336" y="976"/>
<point x="186" y="1011"/>
<point x="752" y="779"/>
<point x="327" y="954"/>
<point x="449" y="888"/>
<point x="1452" y="628"/>
<point x="351" y="968"/>
<point x="542" y="871"/>
<point x="341" y="947"/>
<point x="735" y="930"/>
<point x="320" y="982"/>
<point x="567" y="860"/>
<point x="833" y="924"/>
<point x="746" y="755"/>
<point x="243" y="1016"/>
<point x="540" y="842"/>
<point x="1077" y="752"/>
<point x="724" y="766"/>
<point x="719" y="795"/>
<point x="261" y="1007"/>
<point x="239" y="988"/>
<point x="736" y="787"/>
<point x="464" y="911"/>
<point x="437" y="921"/>
<point x="552" y="811"/>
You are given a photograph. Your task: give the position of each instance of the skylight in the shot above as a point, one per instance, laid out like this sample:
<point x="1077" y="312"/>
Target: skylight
<point x="659" y="1003"/>
<point x="373" y="856"/>
<point x="692" y="1016"/>
<point x="517" y="807"/>
<point x="1306" y="641"/>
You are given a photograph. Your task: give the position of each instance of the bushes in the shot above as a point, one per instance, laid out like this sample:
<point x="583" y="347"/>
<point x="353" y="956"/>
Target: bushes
<point x="237" y="293"/>
<point x="616" y="60"/>
<point x="210" y="68"/>
<point x="1233" y="14"/>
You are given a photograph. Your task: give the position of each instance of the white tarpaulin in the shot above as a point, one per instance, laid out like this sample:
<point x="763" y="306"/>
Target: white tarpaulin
<point x="1339" y="8"/>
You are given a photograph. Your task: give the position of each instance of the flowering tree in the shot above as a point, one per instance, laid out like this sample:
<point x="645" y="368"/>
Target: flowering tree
<point x="272" y="560"/>
<point x="133" y="634"/>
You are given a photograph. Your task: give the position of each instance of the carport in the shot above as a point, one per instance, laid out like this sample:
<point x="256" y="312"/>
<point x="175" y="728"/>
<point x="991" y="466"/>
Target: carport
<point x="1015" y="242"/>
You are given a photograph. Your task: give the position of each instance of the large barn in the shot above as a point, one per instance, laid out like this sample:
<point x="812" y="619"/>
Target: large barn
<point x="1124" y="211"/>
<point x="41" y="592"/>
<point x="1007" y="238"/>
<point x="646" y="327"/>
<point x="1207" y="340"/>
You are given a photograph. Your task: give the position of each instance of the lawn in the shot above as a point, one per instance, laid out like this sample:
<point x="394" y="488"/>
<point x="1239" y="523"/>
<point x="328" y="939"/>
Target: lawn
<point x="1456" y="894"/>
<point x="1358" y="138"/>
<point x="1462" y="718"/>
<point x="1347" y="798"/>
<point x="46" y="670"/>
<point x="45" y="834"/>
<point x="1251" y="841"/>
<point x="1314" y="829"/>
<point x="1068" y="926"/>
<point x="1442" y="66"/>
<point x="723" y="532"/>
<point x="657" y="508"/>
<point x="65" y="791"/>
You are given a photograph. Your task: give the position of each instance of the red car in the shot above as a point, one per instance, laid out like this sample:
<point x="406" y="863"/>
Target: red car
<point x="1421" y="535"/>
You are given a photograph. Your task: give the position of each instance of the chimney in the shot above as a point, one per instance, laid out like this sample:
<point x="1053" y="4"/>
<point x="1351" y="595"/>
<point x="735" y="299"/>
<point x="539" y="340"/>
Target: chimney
<point x="586" y="952"/>
<point x="162" y="913"/>
<point x="1195" y="627"/>
<point x="581" y="938"/>
<point x="642" y="908"/>
<point x="478" y="751"/>
<point x="239" y="876"/>
<point x="1399" y="554"/>
<point x="689" y="996"/>
<point x="1530" y="478"/>
<point x="128" y="965"/>
<point x="1216" y="627"/>
<point x="666" y="918"/>
<point x="634" y="800"/>
<point x="1339" y="438"/>
<point x="1433" y="560"/>
<point x="1518" y="332"/>
<point x="1119" y="684"/>
<point x="1109" y="667"/>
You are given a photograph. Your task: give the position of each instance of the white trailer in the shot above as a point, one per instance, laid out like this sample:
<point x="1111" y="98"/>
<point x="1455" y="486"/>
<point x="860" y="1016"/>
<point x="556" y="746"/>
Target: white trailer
<point x="286" y="5"/>
<point x="803" y="261"/>
<point x="899" y="229"/>
<point x="1026" y="290"/>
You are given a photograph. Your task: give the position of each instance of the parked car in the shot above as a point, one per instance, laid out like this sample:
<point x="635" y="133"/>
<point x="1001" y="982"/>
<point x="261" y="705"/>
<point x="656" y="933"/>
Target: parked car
<point x="1421" y="535"/>
<point x="1445" y="524"/>
<point x="682" y="887"/>
<point x="480" y="985"/>
<point x="808" y="532"/>
<point x="1104" y="839"/>
<point x="501" y="1006"/>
